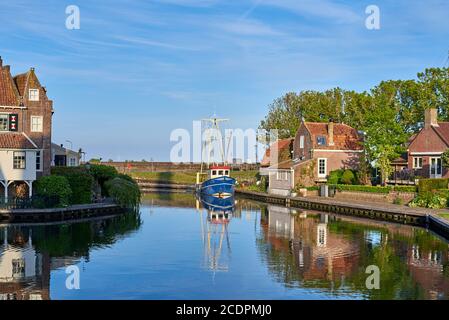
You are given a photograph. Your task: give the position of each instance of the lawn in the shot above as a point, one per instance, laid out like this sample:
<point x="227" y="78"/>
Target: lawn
<point x="189" y="177"/>
<point x="444" y="215"/>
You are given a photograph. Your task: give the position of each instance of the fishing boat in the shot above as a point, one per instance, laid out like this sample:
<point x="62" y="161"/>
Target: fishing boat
<point x="217" y="181"/>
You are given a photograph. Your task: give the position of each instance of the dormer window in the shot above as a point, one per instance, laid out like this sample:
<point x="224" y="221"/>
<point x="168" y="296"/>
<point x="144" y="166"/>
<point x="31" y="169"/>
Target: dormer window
<point x="4" y="123"/>
<point x="33" y="95"/>
<point x="321" y="141"/>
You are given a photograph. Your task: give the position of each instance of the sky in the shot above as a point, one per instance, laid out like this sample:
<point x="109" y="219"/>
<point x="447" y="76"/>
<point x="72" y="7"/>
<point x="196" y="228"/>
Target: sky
<point x="136" y="69"/>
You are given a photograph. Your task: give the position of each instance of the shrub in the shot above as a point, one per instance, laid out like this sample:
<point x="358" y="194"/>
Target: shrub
<point x="124" y="192"/>
<point x="398" y="201"/>
<point x="428" y="185"/>
<point x="429" y="200"/>
<point x="54" y="186"/>
<point x="405" y="188"/>
<point x="102" y="174"/>
<point x="335" y="176"/>
<point x="348" y="177"/>
<point x="81" y="182"/>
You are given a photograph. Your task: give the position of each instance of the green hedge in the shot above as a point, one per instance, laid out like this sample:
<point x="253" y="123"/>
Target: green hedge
<point x="372" y="189"/>
<point x="429" y="185"/>
<point x="54" y="186"/>
<point x="80" y="180"/>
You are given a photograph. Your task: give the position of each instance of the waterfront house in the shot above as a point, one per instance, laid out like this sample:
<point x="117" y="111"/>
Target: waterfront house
<point x="25" y="131"/>
<point x="320" y="148"/>
<point x="425" y="148"/>
<point x="277" y="164"/>
<point x="64" y="157"/>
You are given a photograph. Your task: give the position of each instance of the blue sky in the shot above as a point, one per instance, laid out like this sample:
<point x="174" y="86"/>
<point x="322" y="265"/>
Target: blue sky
<point x="138" y="69"/>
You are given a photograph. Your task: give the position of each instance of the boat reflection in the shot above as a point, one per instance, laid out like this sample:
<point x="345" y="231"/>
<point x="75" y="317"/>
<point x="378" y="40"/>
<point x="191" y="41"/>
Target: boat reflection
<point x="214" y="230"/>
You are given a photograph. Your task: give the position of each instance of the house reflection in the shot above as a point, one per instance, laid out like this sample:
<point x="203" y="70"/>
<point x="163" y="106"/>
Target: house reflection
<point x="318" y="253"/>
<point x="24" y="273"/>
<point x="309" y="249"/>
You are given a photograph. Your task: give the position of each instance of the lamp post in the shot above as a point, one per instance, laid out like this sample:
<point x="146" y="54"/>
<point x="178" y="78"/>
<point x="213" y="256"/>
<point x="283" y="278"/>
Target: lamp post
<point x="71" y="144"/>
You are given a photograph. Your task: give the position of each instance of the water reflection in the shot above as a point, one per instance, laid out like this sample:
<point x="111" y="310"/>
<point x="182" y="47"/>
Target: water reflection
<point x="306" y="249"/>
<point x="182" y="247"/>
<point x="28" y="254"/>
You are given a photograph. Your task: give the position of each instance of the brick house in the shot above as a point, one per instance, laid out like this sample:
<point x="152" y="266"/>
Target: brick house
<point x="320" y="148"/>
<point x="25" y="131"/>
<point x="425" y="148"/>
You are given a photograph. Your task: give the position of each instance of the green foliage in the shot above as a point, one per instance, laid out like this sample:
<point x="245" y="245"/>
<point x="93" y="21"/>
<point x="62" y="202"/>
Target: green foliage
<point x="389" y="113"/>
<point x="398" y="201"/>
<point x="445" y="158"/>
<point x="125" y="193"/>
<point x="335" y="176"/>
<point x="404" y="188"/>
<point x="428" y="185"/>
<point x="430" y="200"/>
<point x="80" y="180"/>
<point x="54" y="186"/>
<point x="102" y="172"/>
<point x="360" y="188"/>
<point x="348" y="177"/>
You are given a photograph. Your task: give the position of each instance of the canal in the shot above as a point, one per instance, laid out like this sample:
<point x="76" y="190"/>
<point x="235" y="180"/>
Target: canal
<point x="172" y="249"/>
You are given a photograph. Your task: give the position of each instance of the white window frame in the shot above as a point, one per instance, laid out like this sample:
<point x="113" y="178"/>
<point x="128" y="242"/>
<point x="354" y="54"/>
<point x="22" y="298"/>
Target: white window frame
<point x="14" y="155"/>
<point x="39" y="124"/>
<point x="7" y="121"/>
<point x="72" y="162"/>
<point x="33" y="94"/>
<point x="301" y="142"/>
<point x="322" y="175"/>
<point x="415" y="161"/>
<point x="41" y="152"/>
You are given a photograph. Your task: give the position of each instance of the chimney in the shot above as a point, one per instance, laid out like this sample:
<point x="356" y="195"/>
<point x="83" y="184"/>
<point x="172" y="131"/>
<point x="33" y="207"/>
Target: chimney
<point x="1" y="62"/>
<point x="430" y="118"/>
<point x="7" y="68"/>
<point x="330" y="132"/>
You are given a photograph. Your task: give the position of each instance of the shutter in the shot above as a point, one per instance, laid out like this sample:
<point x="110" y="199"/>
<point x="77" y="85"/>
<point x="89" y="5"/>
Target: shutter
<point x="13" y="122"/>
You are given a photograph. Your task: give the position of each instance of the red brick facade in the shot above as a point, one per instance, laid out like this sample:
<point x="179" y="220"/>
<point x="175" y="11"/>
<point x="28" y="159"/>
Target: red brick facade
<point x="337" y="145"/>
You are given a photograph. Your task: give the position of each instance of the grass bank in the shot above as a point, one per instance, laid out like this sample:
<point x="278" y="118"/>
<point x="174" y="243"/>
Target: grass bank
<point x="190" y="177"/>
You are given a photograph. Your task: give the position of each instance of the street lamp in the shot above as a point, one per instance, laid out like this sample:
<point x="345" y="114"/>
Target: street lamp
<point x="71" y="144"/>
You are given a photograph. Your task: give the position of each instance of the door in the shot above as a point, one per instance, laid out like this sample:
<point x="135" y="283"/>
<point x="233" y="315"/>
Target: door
<point x="436" y="168"/>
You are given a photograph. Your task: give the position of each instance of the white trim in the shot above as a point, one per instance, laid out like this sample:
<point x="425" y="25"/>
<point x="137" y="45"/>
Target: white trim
<point x="36" y="98"/>
<point x="32" y="142"/>
<point x="41" y="123"/>
<point x="301" y="142"/>
<point x="413" y="164"/>
<point x="340" y="151"/>
<point x="426" y="153"/>
<point x="13" y="107"/>
<point x="437" y="176"/>
<point x="41" y="156"/>
<point x="325" y="168"/>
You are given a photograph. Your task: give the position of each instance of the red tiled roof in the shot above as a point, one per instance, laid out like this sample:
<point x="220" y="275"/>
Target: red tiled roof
<point x="345" y="137"/>
<point x="10" y="140"/>
<point x="280" y="145"/>
<point x="8" y="91"/>
<point x="21" y="82"/>
<point x="443" y="131"/>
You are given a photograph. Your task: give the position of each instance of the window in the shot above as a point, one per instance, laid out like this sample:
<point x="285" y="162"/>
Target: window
<point x="214" y="172"/>
<point x="18" y="268"/>
<point x="321" y="141"/>
<point x="301" y="142"/>
<point x="38" y="161"/>
<point x="282" y="175"/>
<point x="36" y="123"/>
<point x="226" y="172"/>
<point x="417" y="163"/>
<point x="72" y="162"/>
<point x="4" y="123"/>
<point x="33" y="95"/>
<point x="19" y="160"/>
<point x="322" y="167"/>
<point x="220" y="172"/>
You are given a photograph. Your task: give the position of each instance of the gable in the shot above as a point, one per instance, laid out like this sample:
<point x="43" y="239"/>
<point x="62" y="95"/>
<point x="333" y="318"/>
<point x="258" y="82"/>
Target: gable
<point x="8" y="92"/>
<point x="428" y="140"/>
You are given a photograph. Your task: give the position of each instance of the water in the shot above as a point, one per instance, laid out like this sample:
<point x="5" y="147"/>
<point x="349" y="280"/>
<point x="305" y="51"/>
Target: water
<point x="170" y="250"/>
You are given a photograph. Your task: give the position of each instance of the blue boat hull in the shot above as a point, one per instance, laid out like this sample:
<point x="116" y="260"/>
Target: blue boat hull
<point x="221" y="186"/>
<point x="212" y="203"/>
